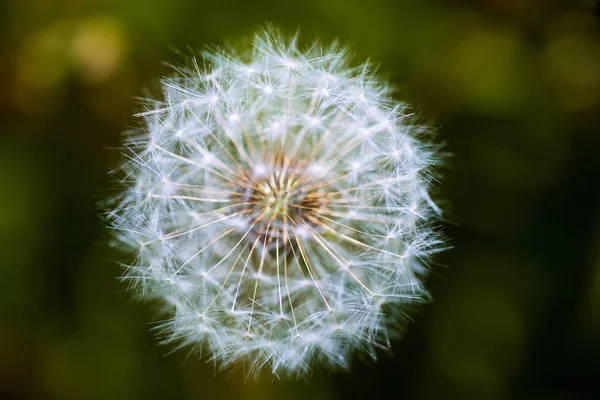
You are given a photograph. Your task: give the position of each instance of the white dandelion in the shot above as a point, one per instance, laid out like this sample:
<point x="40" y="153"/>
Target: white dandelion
<point x="277" y="204"/>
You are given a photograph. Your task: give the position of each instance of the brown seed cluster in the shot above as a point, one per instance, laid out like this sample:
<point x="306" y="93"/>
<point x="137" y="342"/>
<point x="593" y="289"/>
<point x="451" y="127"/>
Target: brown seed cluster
<point x="281" y="198"/>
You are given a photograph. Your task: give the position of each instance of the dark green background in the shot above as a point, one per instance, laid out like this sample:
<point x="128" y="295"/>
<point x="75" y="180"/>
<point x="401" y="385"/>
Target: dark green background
<point x="514" y="87"/>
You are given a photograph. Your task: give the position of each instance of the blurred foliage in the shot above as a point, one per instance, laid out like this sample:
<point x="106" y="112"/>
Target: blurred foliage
<point x="514" y="87"/>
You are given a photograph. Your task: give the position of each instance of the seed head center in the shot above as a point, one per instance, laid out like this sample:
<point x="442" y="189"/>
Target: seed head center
<point x="277" y="197"/>
<point x="281" y="200"/>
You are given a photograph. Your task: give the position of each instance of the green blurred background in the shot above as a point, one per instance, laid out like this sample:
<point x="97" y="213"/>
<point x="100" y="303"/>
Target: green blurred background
<point x="514" y="87"/>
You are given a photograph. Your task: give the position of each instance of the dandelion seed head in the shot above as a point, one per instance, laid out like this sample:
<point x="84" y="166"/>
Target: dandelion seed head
<point x="277" y="203"/>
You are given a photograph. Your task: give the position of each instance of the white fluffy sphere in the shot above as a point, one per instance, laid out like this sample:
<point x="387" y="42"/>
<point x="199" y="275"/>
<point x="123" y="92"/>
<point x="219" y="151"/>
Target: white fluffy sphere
<point x="277" y="204"/>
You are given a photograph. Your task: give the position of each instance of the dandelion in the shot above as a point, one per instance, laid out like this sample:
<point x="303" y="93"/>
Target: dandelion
<point x="277" y="204"/>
